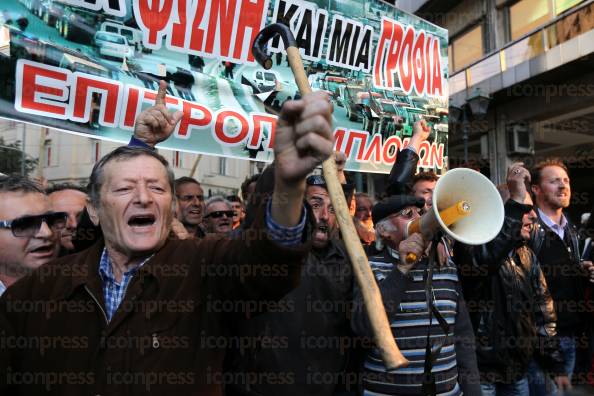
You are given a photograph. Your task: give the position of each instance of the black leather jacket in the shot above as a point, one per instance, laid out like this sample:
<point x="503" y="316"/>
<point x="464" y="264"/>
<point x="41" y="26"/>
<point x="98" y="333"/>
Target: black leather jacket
<point x="402" y="172"/>
<point x="510" y="306"/>
<point x="565" y="280"/>
<point x="537" y="238"/>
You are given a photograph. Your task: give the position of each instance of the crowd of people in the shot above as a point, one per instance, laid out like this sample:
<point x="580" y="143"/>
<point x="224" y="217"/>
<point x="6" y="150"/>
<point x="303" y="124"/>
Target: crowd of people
<point x="139" y="284"/>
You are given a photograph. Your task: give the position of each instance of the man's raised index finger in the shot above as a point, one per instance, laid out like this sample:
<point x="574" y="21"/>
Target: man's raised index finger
<point x="160" y="99"/>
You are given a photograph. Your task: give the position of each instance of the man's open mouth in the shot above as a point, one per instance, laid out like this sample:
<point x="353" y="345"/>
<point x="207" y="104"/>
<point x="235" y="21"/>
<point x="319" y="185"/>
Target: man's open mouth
<point x="322" y="228"/>
<point x="144" y="220"/>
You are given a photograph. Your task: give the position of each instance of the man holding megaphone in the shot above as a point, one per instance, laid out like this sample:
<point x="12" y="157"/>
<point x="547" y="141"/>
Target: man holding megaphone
<point x="445" y="364"/>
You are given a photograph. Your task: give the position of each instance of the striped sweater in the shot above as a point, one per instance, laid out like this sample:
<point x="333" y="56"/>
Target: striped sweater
<point x="405" y="302"/>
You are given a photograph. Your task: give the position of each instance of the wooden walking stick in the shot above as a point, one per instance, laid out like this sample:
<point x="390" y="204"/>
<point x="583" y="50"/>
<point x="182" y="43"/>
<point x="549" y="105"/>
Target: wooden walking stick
<point x="384" y="338"/>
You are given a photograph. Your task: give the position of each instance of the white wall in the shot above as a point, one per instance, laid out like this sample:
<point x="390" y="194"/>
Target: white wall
<point x="72" y="158"/>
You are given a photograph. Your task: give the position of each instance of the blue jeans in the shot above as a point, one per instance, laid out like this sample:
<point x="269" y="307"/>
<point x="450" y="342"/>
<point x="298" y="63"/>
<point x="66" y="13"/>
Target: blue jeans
<point x="518" y="388"/>
<point x="540" y="383"/>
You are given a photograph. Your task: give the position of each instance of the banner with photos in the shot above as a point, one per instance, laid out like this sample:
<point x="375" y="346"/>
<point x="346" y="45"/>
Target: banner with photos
<point x="91" y="66"/>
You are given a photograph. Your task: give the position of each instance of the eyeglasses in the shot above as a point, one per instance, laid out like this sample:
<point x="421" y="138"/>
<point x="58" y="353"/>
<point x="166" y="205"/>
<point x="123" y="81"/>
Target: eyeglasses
<point x="221" y="213"/>
<point x="188" y="198"/>
<point x="407" y="213"/>
<point x="29" y="226"/>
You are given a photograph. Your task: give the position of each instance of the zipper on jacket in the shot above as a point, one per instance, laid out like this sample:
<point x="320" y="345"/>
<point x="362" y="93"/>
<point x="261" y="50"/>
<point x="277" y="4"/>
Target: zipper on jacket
<point x="98" y="304"/>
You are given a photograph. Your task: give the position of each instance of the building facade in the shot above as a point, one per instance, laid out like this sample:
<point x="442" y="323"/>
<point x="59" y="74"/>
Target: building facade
<point x="65" y="157"/>
<point x="535" y="60"/>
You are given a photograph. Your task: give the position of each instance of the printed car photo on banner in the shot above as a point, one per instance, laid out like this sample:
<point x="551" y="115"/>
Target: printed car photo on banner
<point x="91" y="66"/>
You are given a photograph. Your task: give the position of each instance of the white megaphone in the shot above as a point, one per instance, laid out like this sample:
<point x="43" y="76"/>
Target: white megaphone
<point x="466" y="206"/>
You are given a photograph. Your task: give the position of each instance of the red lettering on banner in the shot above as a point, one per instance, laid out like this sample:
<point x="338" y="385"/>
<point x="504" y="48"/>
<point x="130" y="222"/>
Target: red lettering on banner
<point x="58" y="93"/>
<point x="132" y="100"/>
<point x="338" y="139"/>
<point x="386" y="34"/>
<point x="392" y="141"/>
<point x="437" y="81"/>
<point x="405" y="69"/>
<point x="374" y="149"/>
<point x="436" y="156"/>
<point x="84" y="88"/>
<point x="190" y="119"/>
<point x="197" y="37"/>
<point x="418" y="62"/>
<point x="393" y="54"/>
<point x="258" y="119"/>
<point x="352" y="135"/>
<point x="220" y="133"/>
<point x="153" y="17"/>
<point x="250" y="17"/>
<point x="222" y="19"/>
<point x="414" y="55"/>
<point x="424" y="154"/>
<point x="41" y="89"/>
<point x="178" y="29"/>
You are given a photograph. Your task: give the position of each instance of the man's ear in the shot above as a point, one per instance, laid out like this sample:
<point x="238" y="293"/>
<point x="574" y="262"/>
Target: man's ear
<point x="93" y="215"/>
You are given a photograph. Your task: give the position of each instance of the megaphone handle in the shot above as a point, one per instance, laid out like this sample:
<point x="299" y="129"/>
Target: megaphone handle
<point x="411" y="257"/>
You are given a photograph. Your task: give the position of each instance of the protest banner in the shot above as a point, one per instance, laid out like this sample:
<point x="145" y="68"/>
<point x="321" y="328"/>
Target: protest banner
<point x="91" y="66"/>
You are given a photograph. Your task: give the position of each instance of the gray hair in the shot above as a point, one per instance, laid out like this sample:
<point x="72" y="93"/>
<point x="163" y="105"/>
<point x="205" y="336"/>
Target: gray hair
<point x="17" y="183"/>
<point x="216" y="199"/>
<point x="383" y="226"/>
<point x="122" y="154"/>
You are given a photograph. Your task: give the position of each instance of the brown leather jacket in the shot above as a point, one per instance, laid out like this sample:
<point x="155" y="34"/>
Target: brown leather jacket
<point x="170" y="333"/>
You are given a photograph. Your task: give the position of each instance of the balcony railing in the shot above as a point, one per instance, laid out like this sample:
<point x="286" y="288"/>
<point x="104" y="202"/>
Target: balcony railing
<point x="557" y="31"/>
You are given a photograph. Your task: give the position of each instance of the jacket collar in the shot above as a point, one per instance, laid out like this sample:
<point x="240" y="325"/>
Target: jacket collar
<point x="85" y="268"/>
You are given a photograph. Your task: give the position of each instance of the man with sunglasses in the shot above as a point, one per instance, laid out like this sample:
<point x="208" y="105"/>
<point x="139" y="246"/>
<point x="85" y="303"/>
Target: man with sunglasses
<point x="29" y="229"/>
<point x="218" y="218"/>
<point x="425" y="308"/>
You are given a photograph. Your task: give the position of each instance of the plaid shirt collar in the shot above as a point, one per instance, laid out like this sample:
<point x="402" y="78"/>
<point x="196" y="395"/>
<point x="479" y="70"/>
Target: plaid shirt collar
<point x="114" y="292"/>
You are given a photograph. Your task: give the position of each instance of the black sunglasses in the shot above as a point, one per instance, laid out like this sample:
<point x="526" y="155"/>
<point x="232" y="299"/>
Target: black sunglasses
<point x="29" y="226"/>
<point x="221" y="213"/>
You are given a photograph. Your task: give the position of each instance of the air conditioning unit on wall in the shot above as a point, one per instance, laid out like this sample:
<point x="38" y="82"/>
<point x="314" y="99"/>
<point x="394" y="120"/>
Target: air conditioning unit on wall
<point x="520" y="139"/>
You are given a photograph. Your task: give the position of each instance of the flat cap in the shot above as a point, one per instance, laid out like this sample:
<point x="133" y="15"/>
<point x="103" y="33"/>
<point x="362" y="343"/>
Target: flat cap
<point x="393" y="204"/>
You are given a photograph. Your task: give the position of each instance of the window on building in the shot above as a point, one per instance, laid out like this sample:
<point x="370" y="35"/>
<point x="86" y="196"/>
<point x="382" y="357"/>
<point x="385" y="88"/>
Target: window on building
<point x="564" y="5"/>
<point x="467" y="48"/>
<point x="223" y="166"/>
<point x="527" y="15"/>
